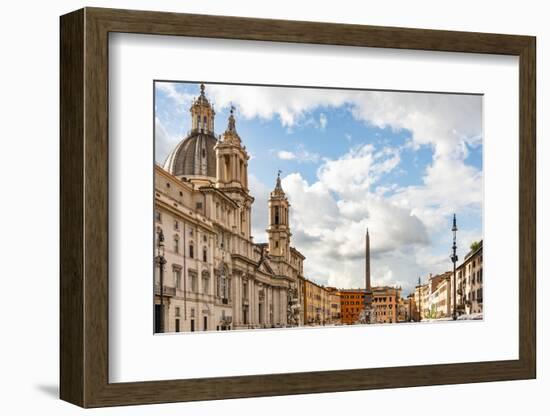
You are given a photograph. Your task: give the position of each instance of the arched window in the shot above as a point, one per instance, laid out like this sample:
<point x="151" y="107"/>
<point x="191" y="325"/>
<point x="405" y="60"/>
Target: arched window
<point x="191" y="250"/>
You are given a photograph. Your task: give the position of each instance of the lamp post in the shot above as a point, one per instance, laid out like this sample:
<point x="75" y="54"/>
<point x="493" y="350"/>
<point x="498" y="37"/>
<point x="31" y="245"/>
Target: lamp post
<point x="161" y="260"/>
<point x="454" y="259"/>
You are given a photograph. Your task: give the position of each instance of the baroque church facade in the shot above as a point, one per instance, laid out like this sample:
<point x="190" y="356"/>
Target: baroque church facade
<point x="215" y="277"/>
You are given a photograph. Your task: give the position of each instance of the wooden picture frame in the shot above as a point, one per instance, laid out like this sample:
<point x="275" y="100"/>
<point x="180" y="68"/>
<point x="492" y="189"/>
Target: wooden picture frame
<point x="84" y="207"/>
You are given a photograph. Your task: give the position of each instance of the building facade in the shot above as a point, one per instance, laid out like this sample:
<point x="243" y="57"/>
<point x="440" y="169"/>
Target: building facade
<point x="385" y="302"/>
<point x="316" y="304"/>
<point x="352" y="303"/>
<point x="469" y="287"/>
<point x="215" y="277"/>
<point x="441" y="298"/>
<point x="433" y="299"/>
<point x="335" y="305"/>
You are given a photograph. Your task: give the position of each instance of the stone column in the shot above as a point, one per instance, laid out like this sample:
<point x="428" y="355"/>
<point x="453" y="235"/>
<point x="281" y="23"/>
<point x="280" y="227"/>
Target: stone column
<point x="236" y="297"/>
<point x="283" y="296"/>
<point x="254" y="304"/>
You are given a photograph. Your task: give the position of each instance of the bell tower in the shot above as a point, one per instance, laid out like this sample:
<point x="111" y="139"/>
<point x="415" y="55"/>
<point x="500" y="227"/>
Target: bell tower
<point x="231" y="158"/>
<point x="279" y="228"/>
<point x="232" y="173"/>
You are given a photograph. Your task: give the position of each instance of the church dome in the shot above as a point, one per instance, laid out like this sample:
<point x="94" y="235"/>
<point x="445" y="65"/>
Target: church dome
<point x="193" y="156"/>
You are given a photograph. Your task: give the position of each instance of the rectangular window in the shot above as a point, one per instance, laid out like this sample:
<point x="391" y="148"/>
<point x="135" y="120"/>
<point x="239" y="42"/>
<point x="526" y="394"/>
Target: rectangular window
<point x="177" y="277"/>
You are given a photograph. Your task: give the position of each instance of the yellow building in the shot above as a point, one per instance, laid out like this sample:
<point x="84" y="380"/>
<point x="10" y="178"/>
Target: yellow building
<point x="335" y="305"/>
<point x="433" y="299"/>
<point x="317" y="301"/>
<point x="470" y="282"/>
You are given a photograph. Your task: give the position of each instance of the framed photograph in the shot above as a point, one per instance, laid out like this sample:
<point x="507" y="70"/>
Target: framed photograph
<point x="255" y="207"/>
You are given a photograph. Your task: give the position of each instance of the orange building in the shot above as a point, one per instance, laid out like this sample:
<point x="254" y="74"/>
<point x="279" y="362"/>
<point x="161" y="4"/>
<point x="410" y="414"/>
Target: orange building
<point x="352" y="302"/>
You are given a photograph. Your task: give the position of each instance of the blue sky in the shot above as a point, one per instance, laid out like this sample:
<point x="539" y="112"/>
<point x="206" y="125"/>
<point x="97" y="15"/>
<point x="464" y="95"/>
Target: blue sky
<point x="398" y="163"/>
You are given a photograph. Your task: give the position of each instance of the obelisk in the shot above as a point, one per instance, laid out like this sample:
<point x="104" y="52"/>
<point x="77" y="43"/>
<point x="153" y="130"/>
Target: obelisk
<point x="368" y="288"/>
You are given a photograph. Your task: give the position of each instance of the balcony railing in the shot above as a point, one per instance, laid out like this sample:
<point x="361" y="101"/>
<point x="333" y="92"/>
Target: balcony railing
<point x="167" y="290"/>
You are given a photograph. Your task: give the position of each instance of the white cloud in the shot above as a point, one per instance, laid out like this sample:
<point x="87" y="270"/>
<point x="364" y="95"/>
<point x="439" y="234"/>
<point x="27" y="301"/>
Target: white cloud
<point x="446" y="122"/>
<point x="181" y="100"/>
<point x="323" y="121"/>
<point x="408" y="225"/>
<point x="356" y="171"/>
<point x="448" y="186"/>
<point x="272" y="102"/>
<point x="332" y="235"/>
<point x="164" y="142"/>
<point x="285" y="155"/>
<point x="260" y="192"/>
<point x="300" y="155"/>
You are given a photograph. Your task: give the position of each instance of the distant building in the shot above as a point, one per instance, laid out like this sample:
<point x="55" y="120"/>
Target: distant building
<point x="385" y="303"/>
<point x="404" y="309"/>
<point x="440" y="298"/>
<point x="335" y="306"/>
<point x="433" y="298"/>
<point x="316" y="303"/>
<point x="469" y="287"/>
<point x="413" y="313"/>
<point x="352" y="303"/>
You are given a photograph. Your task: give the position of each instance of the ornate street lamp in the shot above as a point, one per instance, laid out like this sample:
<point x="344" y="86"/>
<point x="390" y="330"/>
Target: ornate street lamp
<point x="454" y="259"/>
<point x="161" y="261"/>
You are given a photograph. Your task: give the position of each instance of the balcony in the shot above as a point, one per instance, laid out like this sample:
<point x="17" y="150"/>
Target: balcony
<point x="167" y="291"/>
